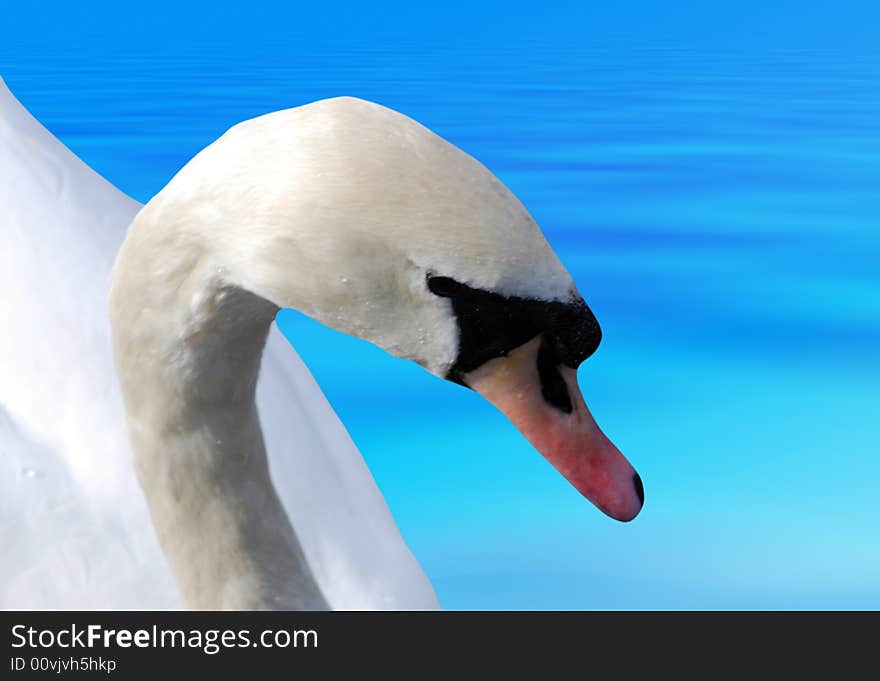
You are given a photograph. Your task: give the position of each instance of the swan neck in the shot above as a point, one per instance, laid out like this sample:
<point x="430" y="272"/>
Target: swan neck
<point x="188" y="347"/>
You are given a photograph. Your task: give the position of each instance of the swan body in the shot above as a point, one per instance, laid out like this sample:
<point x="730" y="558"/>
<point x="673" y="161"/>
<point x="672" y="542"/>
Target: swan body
<point x="255" y="498"/>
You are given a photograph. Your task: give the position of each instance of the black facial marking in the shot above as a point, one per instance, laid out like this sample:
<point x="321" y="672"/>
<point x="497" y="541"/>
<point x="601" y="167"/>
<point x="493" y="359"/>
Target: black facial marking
<point x="553" y="386"/>
<point x="491" y="325"/>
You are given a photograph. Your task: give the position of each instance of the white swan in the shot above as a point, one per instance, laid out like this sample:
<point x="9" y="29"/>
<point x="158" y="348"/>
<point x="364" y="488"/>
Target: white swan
<point x="343" y="209"/>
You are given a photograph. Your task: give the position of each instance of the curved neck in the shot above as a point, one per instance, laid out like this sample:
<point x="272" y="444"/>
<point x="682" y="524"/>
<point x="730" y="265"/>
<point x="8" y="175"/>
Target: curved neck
<point x="188" y="349"/>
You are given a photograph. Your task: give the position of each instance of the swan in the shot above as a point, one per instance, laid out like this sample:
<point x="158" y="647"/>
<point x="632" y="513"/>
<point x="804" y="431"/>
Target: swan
<point x="176" y="451"/>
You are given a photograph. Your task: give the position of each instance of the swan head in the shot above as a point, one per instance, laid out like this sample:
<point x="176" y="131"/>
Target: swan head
<point x="372" y="224"/>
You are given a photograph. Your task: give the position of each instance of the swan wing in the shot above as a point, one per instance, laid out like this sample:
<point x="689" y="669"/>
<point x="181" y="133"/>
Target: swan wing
<point x="73" y="525"/>
<point x="347" y="532"/>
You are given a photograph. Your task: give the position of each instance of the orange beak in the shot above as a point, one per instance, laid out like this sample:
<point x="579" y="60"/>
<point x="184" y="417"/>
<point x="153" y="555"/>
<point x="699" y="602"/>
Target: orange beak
<point x="571" y="442"/>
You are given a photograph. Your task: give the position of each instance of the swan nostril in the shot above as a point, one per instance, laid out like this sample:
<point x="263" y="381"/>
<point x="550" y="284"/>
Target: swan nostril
<point x="553" y="387"/>
<point x="640" y="490"/>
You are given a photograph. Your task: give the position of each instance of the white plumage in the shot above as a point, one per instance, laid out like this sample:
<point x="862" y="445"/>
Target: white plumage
<point x="73" y="523"/>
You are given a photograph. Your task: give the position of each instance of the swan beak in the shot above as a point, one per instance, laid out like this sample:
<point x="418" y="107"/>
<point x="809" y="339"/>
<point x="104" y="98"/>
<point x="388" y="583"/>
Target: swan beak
<point x="563" y="430"/>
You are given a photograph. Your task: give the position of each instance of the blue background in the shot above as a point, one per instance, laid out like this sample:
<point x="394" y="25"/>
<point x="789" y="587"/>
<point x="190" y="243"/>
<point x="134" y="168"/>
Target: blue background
<point x="710" y="175"/>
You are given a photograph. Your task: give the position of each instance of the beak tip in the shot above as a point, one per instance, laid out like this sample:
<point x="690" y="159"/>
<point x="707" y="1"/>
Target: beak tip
<point x="640" y="489"/>
<point x="628" y="518"/>
<point x="630" y="513"/>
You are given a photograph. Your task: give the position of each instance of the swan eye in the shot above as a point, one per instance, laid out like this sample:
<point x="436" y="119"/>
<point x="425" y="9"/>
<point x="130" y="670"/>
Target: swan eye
<point x="445" y="287"/>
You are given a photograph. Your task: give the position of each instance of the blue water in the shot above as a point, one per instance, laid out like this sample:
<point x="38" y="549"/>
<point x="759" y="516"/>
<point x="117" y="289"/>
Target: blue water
<point x="712" y="182"/>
